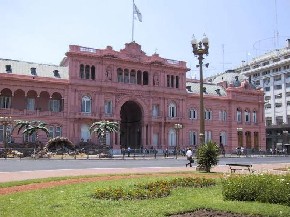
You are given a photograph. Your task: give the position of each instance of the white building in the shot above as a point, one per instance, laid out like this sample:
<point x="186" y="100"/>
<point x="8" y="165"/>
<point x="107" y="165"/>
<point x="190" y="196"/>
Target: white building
<point x="271" y="72"/>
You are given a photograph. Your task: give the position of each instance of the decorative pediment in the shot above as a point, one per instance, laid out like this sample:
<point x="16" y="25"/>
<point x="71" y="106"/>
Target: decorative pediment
<point x="133" y="49"/>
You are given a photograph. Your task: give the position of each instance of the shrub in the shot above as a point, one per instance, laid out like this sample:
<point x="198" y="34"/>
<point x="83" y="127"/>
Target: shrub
<point x="207" y="155"/>
<point x="263" y="188"/>
<point x="158" y="189"/>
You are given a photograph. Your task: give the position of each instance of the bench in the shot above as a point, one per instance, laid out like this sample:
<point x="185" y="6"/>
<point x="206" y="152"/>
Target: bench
<point x="235" y="167"/>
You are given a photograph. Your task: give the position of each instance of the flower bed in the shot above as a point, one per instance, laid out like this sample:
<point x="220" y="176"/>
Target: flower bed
<point x="156" y="189"/>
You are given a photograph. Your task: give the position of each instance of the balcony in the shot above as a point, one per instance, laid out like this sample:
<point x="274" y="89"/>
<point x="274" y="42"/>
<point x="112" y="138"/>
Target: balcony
<point x="173" y="119"/>
<point x="29" y="113"/>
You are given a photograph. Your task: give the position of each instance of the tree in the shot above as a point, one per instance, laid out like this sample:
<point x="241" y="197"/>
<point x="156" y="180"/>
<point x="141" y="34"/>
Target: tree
<point x="207" y="155"/>
<point x="31" y="127"/>
<point x="102" y="127"/>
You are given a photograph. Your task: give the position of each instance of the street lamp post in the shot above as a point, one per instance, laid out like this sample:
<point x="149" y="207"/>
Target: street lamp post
<point x="5" y="121"/>
<point x="240" y="140"/>
<point x="177" y="127"/>
<point x="199" y="49"/>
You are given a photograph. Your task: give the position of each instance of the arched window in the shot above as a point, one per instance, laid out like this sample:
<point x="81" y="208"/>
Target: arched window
<point x="82" y="71"/>
<point x="133" y="77"/>
<point x="255" y="117"/>
<point x="145" y="78"/>
<point x="247" y="116"/>
<point x="87" y="72"/>
<point x="207" y="114"/>
<point x="239" y="115"/>
<point x="86" y="104"/>
<point x="93" y="73"/>
<point x="192" y="114"/>
<point x="139" y="77"/>
<point x="222" y="115"/>
<point x="172" y="110"/>
<point x="126" y="76"/>
<point x="120" y="75"/>
<point x="172" y="138"/>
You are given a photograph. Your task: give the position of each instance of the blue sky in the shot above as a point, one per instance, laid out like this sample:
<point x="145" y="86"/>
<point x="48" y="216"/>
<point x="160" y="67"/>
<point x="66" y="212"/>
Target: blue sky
<point x="41" y="30"/>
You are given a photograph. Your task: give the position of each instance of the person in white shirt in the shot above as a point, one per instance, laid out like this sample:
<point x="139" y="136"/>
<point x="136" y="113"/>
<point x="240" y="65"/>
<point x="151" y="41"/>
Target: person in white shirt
<point x="189" y="157"/>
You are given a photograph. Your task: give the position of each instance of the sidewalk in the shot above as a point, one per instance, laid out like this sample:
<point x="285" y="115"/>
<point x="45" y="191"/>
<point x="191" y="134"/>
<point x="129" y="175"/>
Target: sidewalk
<point x="25" y="175"/>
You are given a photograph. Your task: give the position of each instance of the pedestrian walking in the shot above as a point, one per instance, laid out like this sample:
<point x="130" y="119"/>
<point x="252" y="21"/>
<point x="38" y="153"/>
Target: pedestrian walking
<point x="129" y="151"/>
<point x="189" y="157"/>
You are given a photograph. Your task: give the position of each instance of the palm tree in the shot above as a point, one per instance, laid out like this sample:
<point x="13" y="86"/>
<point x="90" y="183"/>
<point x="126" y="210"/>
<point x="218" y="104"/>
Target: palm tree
<point x="102" y="127"/>
<point x="31" y="127"/>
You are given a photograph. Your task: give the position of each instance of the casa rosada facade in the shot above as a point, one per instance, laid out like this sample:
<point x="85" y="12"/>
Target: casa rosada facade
<point x="149" y="96"/>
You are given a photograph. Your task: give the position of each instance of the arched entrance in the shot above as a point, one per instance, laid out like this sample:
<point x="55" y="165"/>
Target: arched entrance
<point x="130" y="128"/>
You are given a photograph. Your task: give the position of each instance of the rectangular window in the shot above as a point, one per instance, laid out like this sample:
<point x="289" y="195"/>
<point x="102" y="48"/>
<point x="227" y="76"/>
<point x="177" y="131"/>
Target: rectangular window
<point x="172" y="81"/>
<point x="267" y="106"/>
<point x="1" y="133"/>
<point x="268" y="121"/>
<point x="267" y="88"/>
<point x="168" y="80"/>
<point x="8" y="68"/>
<point x="30" y="104"/>
<point x="51" y="132"/>
<point x="177" y="82"/>
<point x="277" y="78"/>
<point x="5" y="102"/>
<point x="207" y="136"/>
<point x="278" y="87"/>
<point x="58" y="131"/>
<point x="8" y="133"/>
<point x="155" y="111"/>
<point x="54" y="131"/>
<point x="257" y="82"/>
<point x="192" y="138"/>
<point x="108" y="107"/>
<point x="27" y="138"/>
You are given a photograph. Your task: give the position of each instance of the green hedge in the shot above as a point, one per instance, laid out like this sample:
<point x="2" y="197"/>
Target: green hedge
<point x="265" y="188"/>
<point x="158" y="189"/>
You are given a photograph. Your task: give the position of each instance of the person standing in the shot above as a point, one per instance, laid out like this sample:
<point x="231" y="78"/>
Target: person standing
<point x="189" y="157"/>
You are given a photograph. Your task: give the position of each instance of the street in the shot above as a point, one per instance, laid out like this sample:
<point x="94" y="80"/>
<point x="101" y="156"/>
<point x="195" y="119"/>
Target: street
<point x="16" y="165"/>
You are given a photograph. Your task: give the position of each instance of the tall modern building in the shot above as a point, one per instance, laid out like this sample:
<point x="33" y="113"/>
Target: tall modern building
<point x="150" y="96"/>
<point x="271" y="73"/>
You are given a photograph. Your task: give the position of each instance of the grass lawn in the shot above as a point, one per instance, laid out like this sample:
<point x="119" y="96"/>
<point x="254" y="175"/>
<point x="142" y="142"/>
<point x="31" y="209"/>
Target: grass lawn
<point x="77" y="200"/>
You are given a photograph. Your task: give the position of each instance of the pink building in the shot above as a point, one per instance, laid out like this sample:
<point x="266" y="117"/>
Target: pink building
<point x="147" y="95"/>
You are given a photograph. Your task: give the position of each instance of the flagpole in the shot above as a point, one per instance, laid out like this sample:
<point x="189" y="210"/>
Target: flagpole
<point x="133" y="23"/>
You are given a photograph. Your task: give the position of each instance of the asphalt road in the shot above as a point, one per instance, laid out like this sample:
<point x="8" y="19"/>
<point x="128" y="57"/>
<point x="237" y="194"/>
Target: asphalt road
<point x="16" y="165"/>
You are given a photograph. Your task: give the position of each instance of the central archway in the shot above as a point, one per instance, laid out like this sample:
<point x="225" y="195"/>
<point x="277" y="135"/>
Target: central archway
<point x="130" y="127"/>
